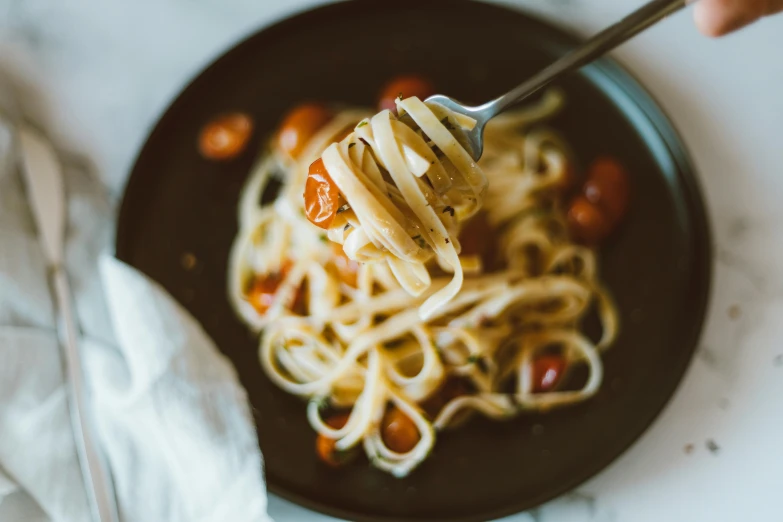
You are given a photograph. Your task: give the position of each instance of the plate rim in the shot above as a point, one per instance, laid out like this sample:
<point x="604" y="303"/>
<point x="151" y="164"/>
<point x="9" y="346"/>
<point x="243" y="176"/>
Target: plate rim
<point x="620" y="76"/>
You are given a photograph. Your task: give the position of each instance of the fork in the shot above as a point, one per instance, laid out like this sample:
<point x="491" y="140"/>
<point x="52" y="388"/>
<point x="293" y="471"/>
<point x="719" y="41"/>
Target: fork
<point x="589" y="51"/>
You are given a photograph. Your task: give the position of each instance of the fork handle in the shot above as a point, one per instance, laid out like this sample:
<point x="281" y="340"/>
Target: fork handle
<point x="595" y="47"/>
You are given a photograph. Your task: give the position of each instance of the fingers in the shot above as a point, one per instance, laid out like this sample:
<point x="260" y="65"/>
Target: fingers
<point x="719" y="17"/>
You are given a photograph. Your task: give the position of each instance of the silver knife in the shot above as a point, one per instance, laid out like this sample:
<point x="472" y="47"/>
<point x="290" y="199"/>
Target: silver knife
<point x="44" y="180"/>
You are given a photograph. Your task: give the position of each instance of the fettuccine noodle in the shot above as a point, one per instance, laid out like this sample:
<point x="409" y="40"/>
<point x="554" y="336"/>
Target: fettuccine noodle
<point x="383" y="310"/>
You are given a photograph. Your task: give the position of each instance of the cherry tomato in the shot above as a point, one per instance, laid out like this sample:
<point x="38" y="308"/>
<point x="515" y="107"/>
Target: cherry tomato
<point x="226" y="136"/>
<point x="347" y="268"/>
<point x="547" y="370"/>
<point x="406" y="86"/>
<point x="478" y="238"/>
<point x="299" y="125"/>
<point x="586" y="222"/>
<point x="607" y="188"/>
<point x="321" y="196"/>
<point x="263" y="289"/>
<point x="398" y="431"/>
<point x="324" y="446"/>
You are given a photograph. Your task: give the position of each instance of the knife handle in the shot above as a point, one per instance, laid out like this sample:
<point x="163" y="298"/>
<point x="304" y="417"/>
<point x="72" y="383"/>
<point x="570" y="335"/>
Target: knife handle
<point x="97" y="481"/>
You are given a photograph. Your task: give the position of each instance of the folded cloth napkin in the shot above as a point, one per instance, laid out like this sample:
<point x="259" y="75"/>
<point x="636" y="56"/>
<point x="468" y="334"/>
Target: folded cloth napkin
<point x="170" y="416"/>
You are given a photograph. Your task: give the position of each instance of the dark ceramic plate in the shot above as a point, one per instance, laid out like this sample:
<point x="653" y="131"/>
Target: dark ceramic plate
<point x="658" y="267"/>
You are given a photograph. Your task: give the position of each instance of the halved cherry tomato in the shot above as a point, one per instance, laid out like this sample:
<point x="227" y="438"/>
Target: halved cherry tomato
<point x="299" y="125"/>
<point x="547" y="370"/>
<point x="478" y="239"/>
<point x="347" y="268"/>
<point x="321" y="196"/>
<point x="607" y="188"/>
<point x="263" y="289"/>
<point x="405" y="86"/>
<point x="398" y="431"/>
<point x="225" y="136"/>
<point x="324" y="446"/>
<point x="586" y="222"/>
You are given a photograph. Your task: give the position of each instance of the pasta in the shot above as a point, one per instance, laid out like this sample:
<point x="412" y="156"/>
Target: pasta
<point x="437" y="289"/>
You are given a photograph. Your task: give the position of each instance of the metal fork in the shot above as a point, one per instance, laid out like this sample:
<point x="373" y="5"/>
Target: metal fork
<point x="594" y="48"/>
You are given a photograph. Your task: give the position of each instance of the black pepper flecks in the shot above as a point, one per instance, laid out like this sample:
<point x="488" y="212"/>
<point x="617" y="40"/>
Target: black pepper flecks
<point x="712" y="446"/>
<point x="450" y="210"/>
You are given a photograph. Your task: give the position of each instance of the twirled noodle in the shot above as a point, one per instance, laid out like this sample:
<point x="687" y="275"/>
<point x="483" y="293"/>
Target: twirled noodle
<point x="400" y="218"/>
<point x="361" y="343"/>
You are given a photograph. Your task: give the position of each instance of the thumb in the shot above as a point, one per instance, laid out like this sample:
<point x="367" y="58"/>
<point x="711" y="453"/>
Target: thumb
<point x="720" y="17"/>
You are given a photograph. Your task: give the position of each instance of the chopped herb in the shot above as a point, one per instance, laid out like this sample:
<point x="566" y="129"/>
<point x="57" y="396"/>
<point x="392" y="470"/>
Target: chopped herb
<point x="351" y="145"/>
<point x="343" y="208"/>
<point x="323" y="238"/>
<point x="416" y="237"/>
<point x="347" y="226"/>
<point x="473" y="359"/>
<point x="420" y="241"/>
<point x="362" y="124"/>
<point x="712" y="446"/>
<point x="448" y="209"/>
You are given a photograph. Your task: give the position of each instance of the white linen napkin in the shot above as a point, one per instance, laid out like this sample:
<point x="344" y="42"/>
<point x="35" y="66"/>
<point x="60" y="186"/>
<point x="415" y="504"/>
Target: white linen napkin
<point x="172" y="419"/>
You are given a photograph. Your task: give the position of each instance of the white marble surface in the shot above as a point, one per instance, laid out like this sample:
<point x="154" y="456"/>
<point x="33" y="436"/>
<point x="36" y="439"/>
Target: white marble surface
<point x="98" y="74"/>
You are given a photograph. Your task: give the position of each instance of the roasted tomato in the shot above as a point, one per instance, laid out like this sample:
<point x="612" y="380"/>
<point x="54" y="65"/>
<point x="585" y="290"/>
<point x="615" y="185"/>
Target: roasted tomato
<point x="398" y="431"/>
<point x="226" y="136"/>
<point x="321" y="196"/>
<point x="607" y="188"/>
<point x="586" y="222"/>
<point x="324" y="446"/>
<point x="405" y="86"/>
<point x="299" y="125"/>
<point x="547" y="371"/>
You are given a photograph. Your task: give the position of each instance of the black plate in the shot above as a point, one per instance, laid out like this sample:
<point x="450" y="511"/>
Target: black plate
<point x="658" y="267"/>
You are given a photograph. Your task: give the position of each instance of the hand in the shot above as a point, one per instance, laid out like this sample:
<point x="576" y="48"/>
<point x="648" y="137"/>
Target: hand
<point x="719" y="17"/>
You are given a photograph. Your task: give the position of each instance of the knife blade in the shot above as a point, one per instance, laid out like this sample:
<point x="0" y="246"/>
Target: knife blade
<point x="44" y="182"/>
